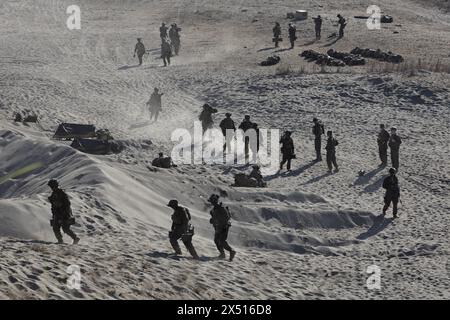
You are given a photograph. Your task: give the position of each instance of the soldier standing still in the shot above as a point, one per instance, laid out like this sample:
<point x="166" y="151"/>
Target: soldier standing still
<point x="392" y="194"/>
<point x="276" y="34"/>
<point x="382" y="140"/>
<point x="318" y="26"/>
<point x="292" y="34"/>
<point x="331" y="152"/>
<point x="228" y="129"/>
<point x="174" y="35"/>
<point x="246" y="125"/>
<point x="318" y="130"/>
<point x="394" y="143"/>
<point x="62" y="213"/>
<point x="287" y="150"/>
<point x="342" y="24"/>
<point x="163" y="31"/>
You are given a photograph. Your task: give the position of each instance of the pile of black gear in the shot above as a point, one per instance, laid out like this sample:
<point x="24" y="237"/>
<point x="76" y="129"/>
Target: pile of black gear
<point x="322" y="59"/>
<point x="270" y="61"/>
<point x="348" y="58"/>
<point x="379" y="55"/>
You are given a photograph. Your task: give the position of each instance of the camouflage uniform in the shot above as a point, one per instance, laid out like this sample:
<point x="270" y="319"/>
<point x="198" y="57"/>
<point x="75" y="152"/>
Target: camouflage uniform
<point x="62" y="215"/>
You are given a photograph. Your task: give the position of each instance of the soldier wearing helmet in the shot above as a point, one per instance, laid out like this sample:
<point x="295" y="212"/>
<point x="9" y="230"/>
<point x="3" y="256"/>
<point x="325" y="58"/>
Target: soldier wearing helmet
<point x="62" y="213"/>
<point x="220" y="219"/>
<point x="181" y="229"/>
<point x="392" y="194"/>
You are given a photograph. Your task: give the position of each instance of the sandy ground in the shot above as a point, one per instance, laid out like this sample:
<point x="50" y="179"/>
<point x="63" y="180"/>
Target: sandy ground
<point x="309" y="235"/>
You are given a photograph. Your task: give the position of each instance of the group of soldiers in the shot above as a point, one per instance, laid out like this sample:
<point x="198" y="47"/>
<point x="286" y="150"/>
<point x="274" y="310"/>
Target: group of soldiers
<point x="183" y="229"/>
<point x="292" y="30"/>
<point x="62" y="218"/>
<point x="170" y="44"/>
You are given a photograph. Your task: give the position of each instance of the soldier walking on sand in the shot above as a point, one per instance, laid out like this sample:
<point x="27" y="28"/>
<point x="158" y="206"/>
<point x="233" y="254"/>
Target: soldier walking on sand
<point x="62" y="213"/>
<point x="220" y="219"/>
<point x="181" y="229"/>
<point x="139" y="50"/>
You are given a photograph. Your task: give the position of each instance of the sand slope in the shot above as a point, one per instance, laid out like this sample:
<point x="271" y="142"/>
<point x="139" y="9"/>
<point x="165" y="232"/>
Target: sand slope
<point x="308" y="235"/>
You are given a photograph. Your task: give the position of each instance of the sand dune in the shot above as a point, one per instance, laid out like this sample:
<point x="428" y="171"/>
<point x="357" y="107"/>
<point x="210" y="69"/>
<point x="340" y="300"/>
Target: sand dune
<point x="308" y="235"/>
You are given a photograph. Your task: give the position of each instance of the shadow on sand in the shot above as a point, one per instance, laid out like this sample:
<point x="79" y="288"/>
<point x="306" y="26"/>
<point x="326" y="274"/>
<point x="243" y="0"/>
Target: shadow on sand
<point x="379" y="224"/>
<point x="128" y="67"/>
<point x="332" y="42"/>
<point x="165" y="255"/>
<point x="266" y="49"/>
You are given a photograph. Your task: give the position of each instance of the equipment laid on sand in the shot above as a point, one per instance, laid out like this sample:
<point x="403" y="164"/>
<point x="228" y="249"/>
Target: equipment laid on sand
<point x="93" y="146"/>
<point x="18" y="117"/>
<point x="322" y="59"/>
<point x="378" y="54"/>
<point x="243" y="180"/>
<point x="301" y="15"/>
<point x="270" y="61"/>
<point x="386" y="19"/>
<point x="348" y="58"/>
<point x="72" y="130"/>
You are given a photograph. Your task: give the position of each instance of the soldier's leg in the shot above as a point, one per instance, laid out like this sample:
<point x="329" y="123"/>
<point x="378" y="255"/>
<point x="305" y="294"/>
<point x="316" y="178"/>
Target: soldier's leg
<point x="318" y="147"/>
<point x="218" y="241"/>
<point x="57" y="230"/>
<point x="224" y="238"/>
<point x="173" y="237"/>
<point x="168" y="59"/>
<point x="397" y="161"/>
<point x="140" y="59"/>
<point x="187" y="240"/>
<point x="69" y="232"/>
<point x="164" y="60"/>
<point x="329" y="161"/>
<point x="387" y="203"/>
<point x="384" y="160"/>
<point x="288" y="167"/>
<point x="394" y="207"/>
<point x="333" y="158"/>
<point x="283" y="161"/>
